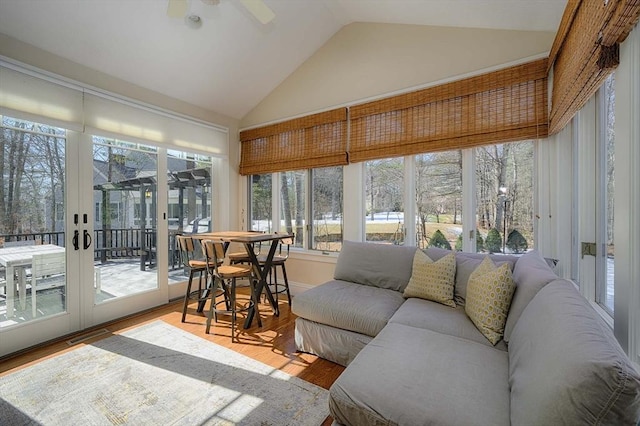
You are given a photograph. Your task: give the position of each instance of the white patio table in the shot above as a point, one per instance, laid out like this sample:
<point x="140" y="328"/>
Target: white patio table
<point x="19" y="258"/>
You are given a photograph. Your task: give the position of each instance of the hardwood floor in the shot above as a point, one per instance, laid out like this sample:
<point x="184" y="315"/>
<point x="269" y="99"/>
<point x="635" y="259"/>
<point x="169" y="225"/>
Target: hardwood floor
<point x="272" y="344"/>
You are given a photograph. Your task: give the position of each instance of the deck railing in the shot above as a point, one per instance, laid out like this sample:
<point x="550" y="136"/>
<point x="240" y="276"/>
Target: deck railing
<point x="38" y="238"/>
<point x="118" y="243"/>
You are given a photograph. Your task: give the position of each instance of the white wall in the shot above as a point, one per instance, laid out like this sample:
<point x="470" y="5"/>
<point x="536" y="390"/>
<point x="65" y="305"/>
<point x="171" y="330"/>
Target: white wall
<point x="365" y="60"/>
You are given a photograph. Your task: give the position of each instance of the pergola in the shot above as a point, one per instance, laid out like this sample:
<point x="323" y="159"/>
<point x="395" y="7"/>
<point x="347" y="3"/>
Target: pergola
<point x="145" y="186"/>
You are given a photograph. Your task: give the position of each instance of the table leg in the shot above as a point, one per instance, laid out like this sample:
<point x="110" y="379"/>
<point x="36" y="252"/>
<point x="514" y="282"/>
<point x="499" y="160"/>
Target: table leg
<point x="262" y="271"/>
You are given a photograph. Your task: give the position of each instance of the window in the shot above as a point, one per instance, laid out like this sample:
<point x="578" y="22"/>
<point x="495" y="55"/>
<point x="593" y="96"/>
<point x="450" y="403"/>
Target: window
<point x="439" y="199"/>
<point x="292" y="204"/>
<point x="260" y="203"/>
<point x="326" y="209"/>
<point x="504" y="194"/>
<point x="384" y="200"/>
<point x="310" y="206"/>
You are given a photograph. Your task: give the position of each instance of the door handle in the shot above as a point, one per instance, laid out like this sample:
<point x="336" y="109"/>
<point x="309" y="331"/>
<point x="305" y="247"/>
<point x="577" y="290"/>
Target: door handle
<point x="76" y="236"/>
<point x="87" y="239"/>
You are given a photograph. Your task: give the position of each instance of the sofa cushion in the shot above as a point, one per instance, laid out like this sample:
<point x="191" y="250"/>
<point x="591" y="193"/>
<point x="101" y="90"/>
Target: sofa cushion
<point x="489" y="295"/>
<point x="531" y="273"/>
<point x="412" y="376"/>
<point x="354" y="307"/>
<point x="443" y="319"/>
<point x="378" y="265"/>
<point x="466" y="263"/>
<point x="432" y="280"/>
<point x="565" y="365"/>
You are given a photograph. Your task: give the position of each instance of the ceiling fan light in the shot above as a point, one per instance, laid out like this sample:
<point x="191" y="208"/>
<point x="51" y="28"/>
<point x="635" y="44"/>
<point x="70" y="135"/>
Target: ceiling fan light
<point x="260" y="10"/>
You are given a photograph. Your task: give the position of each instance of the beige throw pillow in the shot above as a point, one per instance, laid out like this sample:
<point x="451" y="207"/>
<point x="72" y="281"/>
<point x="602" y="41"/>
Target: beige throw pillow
<point x="432" y="280"/>
<point x="489" y="295"/>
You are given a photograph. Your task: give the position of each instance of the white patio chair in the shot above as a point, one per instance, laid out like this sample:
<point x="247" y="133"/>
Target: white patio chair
<point x="48" y="270"/>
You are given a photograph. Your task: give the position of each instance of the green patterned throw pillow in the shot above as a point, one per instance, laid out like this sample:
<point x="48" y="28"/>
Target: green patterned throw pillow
<point x="432" y="280"/>
<point x="489" y="295"/>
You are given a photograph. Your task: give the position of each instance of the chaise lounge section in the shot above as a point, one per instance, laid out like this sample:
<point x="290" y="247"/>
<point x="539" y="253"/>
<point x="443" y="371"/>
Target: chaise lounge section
<point x="411" y="360"/>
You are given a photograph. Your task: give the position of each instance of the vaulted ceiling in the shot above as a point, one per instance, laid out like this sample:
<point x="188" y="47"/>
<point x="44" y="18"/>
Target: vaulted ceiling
<point x="232" y="61"/>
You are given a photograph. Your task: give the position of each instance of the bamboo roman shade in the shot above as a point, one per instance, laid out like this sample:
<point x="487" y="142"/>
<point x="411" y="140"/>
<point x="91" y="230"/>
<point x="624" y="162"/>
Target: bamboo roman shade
<point x="501" y="106"/>
<point x="586" y="51"/>
<point x="318" y="140"/>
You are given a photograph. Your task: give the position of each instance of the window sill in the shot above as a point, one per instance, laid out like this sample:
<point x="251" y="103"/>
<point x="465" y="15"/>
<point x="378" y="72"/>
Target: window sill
<point x="314" y="256"/>
<point x="604" y="314"/>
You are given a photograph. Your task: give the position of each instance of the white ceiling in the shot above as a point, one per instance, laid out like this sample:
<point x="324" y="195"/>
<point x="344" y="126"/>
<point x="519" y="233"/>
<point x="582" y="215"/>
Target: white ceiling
<point x="232" y="62"/>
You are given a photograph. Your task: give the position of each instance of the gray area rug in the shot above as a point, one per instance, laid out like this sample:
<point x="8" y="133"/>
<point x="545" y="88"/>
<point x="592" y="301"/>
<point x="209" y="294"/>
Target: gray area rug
<point x="157" y="374"/>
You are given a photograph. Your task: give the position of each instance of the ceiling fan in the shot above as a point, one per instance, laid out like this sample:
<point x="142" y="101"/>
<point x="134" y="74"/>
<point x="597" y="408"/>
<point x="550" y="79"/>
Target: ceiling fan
<point x="258" y="8"/>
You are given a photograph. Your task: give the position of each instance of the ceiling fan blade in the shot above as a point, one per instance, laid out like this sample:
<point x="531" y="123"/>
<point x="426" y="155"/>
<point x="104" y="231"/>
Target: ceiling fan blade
<point x="177" y="8"/>
<point x="259" y="9"/>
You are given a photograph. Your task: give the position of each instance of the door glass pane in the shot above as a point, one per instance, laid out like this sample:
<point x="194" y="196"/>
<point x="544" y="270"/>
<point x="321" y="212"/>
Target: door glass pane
<point x="439" y="200"/>
<point x="327" y="208"/>
<point x="504" y="193"/>
<point x="384" y="183"/>
<point x="189" y="198"/>
<point x="292" y="197"/>
<point x="124" y="240"/>
<point x="260" y="194"/>
<point x="32" y="228"/>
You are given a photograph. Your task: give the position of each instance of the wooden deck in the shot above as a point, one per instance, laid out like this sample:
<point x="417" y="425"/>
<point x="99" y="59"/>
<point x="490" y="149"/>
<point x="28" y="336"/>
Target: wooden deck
<point x="117" y="277"/>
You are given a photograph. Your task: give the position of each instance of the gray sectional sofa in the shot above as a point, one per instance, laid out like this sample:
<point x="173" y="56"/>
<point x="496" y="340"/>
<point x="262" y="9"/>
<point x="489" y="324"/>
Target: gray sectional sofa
<point x="412" y="361"/>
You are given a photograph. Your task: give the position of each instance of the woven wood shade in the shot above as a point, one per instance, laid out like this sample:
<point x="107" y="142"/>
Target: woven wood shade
<point x="502" y="106"/>
<point x="585" y="52"/>
<point x="318" y="140"/>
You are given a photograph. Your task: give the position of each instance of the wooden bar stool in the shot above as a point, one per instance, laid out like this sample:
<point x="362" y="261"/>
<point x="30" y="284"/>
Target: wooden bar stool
<point x="227" y="274"/>
<point x="194" y="266"/>
<point x="279" y="260"/>
<point x="241" y="256"/>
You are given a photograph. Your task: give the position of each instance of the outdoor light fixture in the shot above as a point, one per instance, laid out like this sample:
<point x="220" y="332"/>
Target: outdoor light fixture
<point x="502" y="194"/>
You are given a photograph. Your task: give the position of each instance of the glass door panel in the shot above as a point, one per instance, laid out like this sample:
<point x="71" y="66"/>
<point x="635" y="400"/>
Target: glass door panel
<point x="33" y="276"/>
<point x="125" y="218"/>
<point x="189" y="202"/>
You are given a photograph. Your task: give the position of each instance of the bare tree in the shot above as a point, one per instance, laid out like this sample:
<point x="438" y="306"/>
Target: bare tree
<point x="16" y="144"/>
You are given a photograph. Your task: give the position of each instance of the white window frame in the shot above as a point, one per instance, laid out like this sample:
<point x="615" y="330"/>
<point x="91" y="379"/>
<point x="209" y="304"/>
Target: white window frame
<point x="627" y="207"/>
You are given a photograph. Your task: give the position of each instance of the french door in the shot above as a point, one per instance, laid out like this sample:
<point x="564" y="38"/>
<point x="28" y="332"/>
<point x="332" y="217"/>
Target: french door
<point x="39" y="262"/>
<point x="88" y="226"/>
<point x="125" y="263"/>
<point x="81" y="241"/>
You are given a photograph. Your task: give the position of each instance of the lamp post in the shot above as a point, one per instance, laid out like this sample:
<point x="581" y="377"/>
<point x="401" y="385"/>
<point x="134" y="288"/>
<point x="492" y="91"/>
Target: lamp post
<point x="503" y="196"/>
